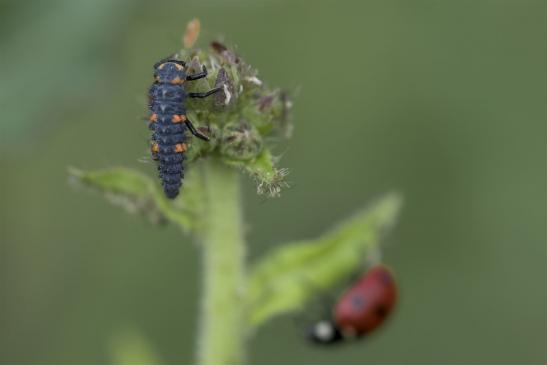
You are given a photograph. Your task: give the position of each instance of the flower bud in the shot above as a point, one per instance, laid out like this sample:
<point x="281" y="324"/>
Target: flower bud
<point x="240" y="141"/>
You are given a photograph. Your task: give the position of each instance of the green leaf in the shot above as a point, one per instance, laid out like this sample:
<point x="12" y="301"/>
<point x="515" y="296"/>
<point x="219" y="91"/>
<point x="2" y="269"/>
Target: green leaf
<point x="138" y="193"/>
<point x="286" y="278"/>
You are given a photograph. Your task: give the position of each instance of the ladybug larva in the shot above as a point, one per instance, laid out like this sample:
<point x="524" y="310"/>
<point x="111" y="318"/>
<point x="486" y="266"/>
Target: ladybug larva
<point x="169" y="122"/>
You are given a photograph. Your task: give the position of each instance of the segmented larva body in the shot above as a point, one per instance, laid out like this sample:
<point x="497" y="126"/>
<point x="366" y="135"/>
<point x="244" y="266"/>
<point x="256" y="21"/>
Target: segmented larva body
<point x="167" y="96"/>
<point x="168" y="121"/>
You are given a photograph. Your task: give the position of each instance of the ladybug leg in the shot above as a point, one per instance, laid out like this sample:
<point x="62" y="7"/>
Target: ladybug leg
<point x="198" y="76"/>
<point x="195" y="132"/>
<point x="204" y="94"/>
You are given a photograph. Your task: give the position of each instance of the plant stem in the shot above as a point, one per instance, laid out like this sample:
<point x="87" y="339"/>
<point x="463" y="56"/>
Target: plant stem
<point x="221" y="339"/>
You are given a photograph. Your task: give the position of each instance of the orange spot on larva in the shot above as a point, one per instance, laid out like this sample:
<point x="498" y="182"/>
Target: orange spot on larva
<point x="177" y="80"/>
<point x="155" y="148"/>
<point x="179" y="66"/>
<point x="178" y="118"/>
<point x="180" y="147"/>
<point x="154" y="117"/>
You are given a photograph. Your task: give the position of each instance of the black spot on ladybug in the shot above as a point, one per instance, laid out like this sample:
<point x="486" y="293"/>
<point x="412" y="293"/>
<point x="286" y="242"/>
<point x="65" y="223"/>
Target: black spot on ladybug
<point x="385" y="277"/>
<point x="381" y="311"/>
<point x="357" y="301"/>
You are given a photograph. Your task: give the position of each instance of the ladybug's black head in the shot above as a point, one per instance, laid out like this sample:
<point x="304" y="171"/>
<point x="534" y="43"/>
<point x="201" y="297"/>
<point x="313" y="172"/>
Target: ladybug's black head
<point x="324" y="333"/>
<point x="170" y="71"/>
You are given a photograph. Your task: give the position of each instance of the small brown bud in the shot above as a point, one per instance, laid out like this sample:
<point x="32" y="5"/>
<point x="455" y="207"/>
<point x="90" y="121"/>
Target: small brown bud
<point x="192" y="33"/>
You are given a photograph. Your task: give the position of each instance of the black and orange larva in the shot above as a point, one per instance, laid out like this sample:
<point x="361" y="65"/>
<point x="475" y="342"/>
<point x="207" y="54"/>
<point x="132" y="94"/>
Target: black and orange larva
<point x="168" y="120"/>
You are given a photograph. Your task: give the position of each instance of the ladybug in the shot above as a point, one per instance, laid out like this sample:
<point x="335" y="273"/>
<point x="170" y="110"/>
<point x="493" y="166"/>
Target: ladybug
<point x="169" y="122"/>
<point x="360" y="310"/>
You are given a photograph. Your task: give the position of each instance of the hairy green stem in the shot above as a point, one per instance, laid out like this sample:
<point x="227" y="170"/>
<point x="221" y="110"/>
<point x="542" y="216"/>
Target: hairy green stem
<point x="221" y="339"/>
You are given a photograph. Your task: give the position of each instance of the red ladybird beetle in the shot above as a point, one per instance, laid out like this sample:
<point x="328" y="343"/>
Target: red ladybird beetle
<point x="360" y="310"/>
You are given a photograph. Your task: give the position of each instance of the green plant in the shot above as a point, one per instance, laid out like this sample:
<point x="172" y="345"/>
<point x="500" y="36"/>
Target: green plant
<point x="238" y="299"/>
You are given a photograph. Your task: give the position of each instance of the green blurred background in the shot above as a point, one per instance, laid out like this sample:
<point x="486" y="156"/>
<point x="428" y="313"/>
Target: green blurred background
<point x="441" y="100"/>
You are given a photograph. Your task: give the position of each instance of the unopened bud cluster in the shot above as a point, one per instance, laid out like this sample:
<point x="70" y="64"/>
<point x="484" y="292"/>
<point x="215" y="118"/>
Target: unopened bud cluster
<point x="239" y="118"/>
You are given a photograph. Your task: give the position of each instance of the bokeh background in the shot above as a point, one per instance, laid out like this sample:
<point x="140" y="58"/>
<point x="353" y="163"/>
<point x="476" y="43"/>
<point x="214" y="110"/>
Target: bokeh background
<point x="441" y="100"/>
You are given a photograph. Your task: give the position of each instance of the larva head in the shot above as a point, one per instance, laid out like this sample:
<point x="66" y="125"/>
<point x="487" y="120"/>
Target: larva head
<point x="170" y="71"/>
